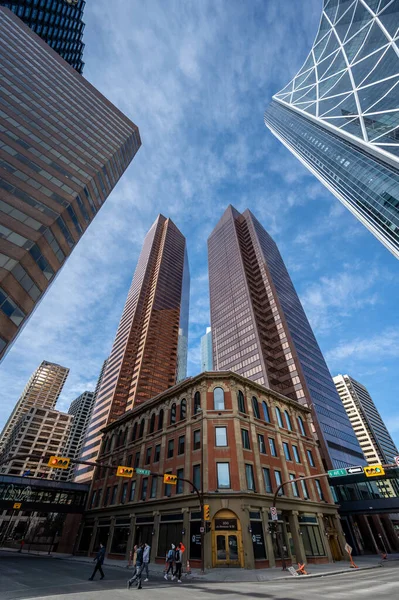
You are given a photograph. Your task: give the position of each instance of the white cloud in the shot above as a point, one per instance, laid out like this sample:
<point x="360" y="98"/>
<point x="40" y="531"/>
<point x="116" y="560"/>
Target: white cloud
<point x="375" y="349"/>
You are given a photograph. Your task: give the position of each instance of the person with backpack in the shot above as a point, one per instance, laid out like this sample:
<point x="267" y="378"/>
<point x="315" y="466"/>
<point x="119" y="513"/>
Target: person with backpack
<point x="139" y="567"/>
<point x="169" y="561"/>
<point x="178" y="563"/>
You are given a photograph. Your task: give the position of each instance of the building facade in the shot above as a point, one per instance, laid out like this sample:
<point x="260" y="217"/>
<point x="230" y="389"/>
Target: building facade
<point x="149" y="353"/>
<point x="63" y="148"/>
<point x="42" y="390"/>
<point x="80" y="409"/>
<point x="340" y="114"/>
<point x="40" y="431"/>
<point x="260" y="330"/>
<point x="57" y="22"/>
<point x="374" y="438"/>
<point x="236" y="441"/>
<point x="206" y="351"/>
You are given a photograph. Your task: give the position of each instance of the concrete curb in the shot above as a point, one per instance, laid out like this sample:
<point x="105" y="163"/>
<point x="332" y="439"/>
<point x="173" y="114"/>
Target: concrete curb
<point x="329" y="573"/>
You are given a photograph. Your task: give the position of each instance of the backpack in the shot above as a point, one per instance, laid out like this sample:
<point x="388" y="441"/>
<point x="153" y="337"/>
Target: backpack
<point x="170" y="555"/>
<point x="177" y="555"/>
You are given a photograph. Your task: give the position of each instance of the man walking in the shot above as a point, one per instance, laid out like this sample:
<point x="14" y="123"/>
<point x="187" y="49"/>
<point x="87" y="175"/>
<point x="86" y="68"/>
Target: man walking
<point x="178" y="563"/>
<point x="139" y="567"/>
<point x="169" y="561"/>
<point x="146" y="559"/>
<point x="99" y="559"/>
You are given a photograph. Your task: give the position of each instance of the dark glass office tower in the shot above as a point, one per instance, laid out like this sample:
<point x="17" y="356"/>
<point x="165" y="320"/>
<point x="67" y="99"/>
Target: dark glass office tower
<point x="149" y="354"/>
<point x="340" y="114"/>
<point x="57" y="22"/>
<point x="63" y="148"/>
<point x="260" y="330"/>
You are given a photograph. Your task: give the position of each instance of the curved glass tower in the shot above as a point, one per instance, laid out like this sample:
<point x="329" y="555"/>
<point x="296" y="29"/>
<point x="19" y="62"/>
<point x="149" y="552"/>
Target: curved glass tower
<point x="340" y="114"/>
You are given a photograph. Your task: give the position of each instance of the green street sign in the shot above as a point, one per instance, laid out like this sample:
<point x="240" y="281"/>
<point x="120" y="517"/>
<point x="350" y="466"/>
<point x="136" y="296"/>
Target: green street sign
<point x="337" y="473"/>
<point x="145" y="472"/>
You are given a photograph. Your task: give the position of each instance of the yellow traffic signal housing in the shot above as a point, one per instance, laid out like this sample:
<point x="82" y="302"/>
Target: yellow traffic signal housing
<point x="58" y="462"/>
<point x="124" y="471"/>
<point x="207" y="512"/>
<point x="374" y="470"/>
<point x="169" y="478"/>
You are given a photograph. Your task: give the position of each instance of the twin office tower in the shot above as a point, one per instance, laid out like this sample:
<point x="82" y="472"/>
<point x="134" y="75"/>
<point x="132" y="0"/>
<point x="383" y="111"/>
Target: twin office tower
<point x="259" y="330"/>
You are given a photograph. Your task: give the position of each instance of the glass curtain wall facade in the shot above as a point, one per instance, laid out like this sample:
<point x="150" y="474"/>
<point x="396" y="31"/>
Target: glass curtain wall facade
<point x="206" y="351"/>
<point x="63" y="148"/>
<point x="57" y="22"/>
<point x="260" y="330"/>
<point x="340" y="114"/>
<point x="148" y="355"/>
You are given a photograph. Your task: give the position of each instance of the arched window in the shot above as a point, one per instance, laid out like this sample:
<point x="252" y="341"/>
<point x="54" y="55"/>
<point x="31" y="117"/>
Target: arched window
<point x="218" y="399"/>
<point x="279" y="417"/>
<point x="255" y="407"/>
<point x="197" y="402"/>
<point x="160" y="419"/>
<point x="266" y="414"/>
<point x="104" y="446"/>
<point x="288" y="420"/>
<point x="172" y="418"/>
<point x="134" y="432"/>
<point x="112" y="443"/>
<point x="152" y="423"/>
<point x="241" y="402"/>
<point x="183" y="409"/>
<point x="301" y="426"/>
<point x="124" y="437"/>
<point x="119" y="438"/>
<point x="141" y="432"/>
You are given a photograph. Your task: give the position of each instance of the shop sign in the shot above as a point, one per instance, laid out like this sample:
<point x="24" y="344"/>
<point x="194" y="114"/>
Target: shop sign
<point x="225" y="524"/>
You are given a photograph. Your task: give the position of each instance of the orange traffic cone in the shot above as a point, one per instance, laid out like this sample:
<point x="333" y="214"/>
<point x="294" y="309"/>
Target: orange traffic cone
<point x="188" y="568"/>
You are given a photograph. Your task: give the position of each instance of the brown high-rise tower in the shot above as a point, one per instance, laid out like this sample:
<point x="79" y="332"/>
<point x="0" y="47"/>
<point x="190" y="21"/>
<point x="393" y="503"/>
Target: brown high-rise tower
<point x="260" y="330"/>
<point x="63" y="148"/>
<point x="149" y="353"/>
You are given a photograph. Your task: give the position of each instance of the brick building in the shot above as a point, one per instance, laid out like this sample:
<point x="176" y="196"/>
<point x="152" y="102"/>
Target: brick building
<point x="236" y="440"/>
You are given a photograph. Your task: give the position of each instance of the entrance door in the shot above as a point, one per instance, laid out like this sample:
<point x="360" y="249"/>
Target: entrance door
<point x="227" y="549"/>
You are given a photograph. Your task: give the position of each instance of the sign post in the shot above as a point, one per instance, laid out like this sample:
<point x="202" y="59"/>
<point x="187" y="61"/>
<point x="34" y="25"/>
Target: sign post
<point x="273" y="512"/>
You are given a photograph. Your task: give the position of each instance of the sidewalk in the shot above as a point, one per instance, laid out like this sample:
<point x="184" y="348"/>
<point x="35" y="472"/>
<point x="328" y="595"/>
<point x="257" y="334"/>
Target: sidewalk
<point x="239" y="575"/>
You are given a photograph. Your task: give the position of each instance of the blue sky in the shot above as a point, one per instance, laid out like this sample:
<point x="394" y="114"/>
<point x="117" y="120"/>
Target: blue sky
<point x="196" y="77"/>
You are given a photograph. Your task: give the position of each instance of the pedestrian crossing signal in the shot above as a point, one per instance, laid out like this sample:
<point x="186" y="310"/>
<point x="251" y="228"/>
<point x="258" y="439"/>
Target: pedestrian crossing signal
<point x="124" y="471"/>
<point x="169" y="478"/>
<point x="207" y="512"/>
<point x="374" y="470"/>
<point x="58" y="462"/>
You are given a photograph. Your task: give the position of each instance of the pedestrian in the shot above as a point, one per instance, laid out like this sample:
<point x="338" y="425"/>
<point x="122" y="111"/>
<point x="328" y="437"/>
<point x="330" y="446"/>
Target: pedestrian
<point x="99" y="559"/>
<point x="146" y="559"/>
<point x="178" y="563"/>
<point x="169" y="561"/>
<point x="139" y="567"/>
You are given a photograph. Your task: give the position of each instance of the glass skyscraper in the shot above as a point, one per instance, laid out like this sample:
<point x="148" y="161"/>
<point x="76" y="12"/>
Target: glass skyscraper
<point x="340" y="114"/>
<point x="57" y="22"/>
<point x="206" y="351"/>
<point x="63" y="148"/>
<point x="260" y="330"/>
<point x="149" y="353"/>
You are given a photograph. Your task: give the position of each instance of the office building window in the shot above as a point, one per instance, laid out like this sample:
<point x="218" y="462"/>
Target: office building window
<point x="266" y="414"/>
<point x="132" y="491"/>
<point x="160" y="419"/>
<point x="245" y="439"/>
<point x="319" y="489"/>
<point x="279" y="481"/>
<point x="296" y="453"/>
<point x="180" y="483"/>
<point x="223" y="475"/>
<point x="197" y="402"/>
<point x="273" y="449"/>
<point x="148" y="456"/>
<point x="288" y="420"/>
<point x="241" y="402"/>
<point x="152" y="423"/>
<point x="301" y="426"/>
<point x="124" y="493"/>
<point x="218" y="398"/>
<point x="267" y="480"/>
<point x="255" y="407"/>
<point x="221" y="436"/>
<point x="304" y="489"/>
<point x="153" y="491"/>
<point x="279" y="417"/>
<point x="310" y="458"/>
<point x="181" y="444"/>
<point x="183" y="409"/>
<point x="173" y="414"/>
<point x="157" y="453"/>
<point x="197" y="440"/>
<point x="171" y="447"/>
<point x="197" y="476"/>
<point x="287" y="453"/>
<point x="294" y="486"/>
<point x="137" y="460"/>
<point x="249" y="472"/>
<point x="144" y="485"/>
<point x="261" y="443"/>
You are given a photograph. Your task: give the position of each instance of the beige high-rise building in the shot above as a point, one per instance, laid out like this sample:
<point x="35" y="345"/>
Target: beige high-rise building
<point x="40" y="431"/>
<point x="149" y="354"/>
<point x="42" y="390"/>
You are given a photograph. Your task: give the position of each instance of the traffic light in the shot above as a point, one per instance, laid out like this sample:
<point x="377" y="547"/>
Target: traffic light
<point x="58" y="462"/>
<point x="124" y="471"/>
<point x="374" y="470"/>
<point x="207" y="512"/>
<point x="169" y="478"/>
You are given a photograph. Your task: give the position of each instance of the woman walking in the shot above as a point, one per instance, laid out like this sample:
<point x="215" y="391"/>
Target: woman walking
<point x="178" y="563"/>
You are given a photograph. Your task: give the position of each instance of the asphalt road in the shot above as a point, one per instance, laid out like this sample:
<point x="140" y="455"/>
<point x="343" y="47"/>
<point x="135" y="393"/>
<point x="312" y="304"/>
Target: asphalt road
<point x="24" y="577"/>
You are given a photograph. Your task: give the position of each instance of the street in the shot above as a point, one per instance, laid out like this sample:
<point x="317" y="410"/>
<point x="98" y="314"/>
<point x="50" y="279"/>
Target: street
<point x="23" y="577"/>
